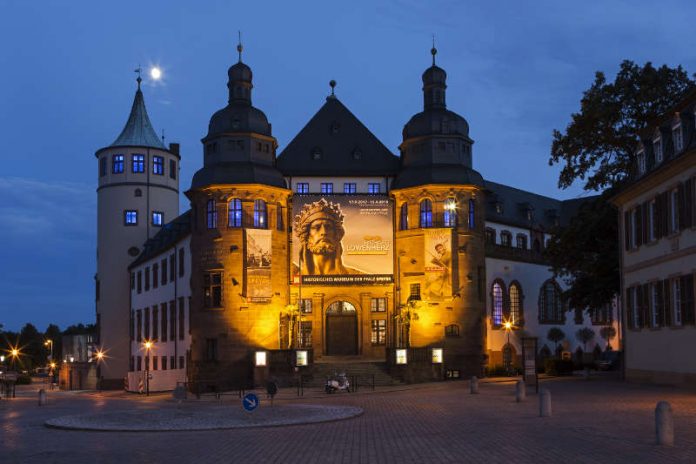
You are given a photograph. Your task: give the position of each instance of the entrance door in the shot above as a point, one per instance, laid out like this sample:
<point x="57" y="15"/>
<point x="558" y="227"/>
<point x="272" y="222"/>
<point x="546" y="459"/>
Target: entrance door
<point x="341" y="329"/>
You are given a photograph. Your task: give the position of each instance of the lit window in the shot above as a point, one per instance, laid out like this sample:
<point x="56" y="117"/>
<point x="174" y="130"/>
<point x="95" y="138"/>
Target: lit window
<point x="378" y="334"/>
<point x="373" y="187"/>
<point x="302" y="187"/>
<point x="234" y="209"/>
<point x="306" y="305"/>
<point x="349" y="187"/>
<point x="130" y="217"/>
<point x="515" y="304"/>
<point x="306" y="334"/>
<point x="426" y="213"/>
<point x="472" y="213"/>
<point x="404" y="216"/>
<point x="414" y="293"/>
<point x="378" y="305"/>
<point x="212" y="288"/>
<point x="260" y="217"/>
<point x="497" y="304"/>
<point x="157" y="218"/>
<point x="327" y="187"/>
<point x="117" y="164"/>
<point x="158" y="165"/>
<point x="450" y="215"/>
<point x="138" y="163"/>
<point x="211" y="214"/>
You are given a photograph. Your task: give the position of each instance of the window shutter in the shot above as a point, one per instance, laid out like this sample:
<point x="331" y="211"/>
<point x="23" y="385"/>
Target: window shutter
<point x="688" y="203"/>
<point x="645" y="317"/>
<point x="681" y="206"/>
<point x="629" y="309"/>
<point x="627" y="231"/>
<point x="687" y="298"/>
<point x="667" y="302"/>
<point x="645" y="222"/>
<point x="659" y="304"/>
<point x="665" y="213"/>
<point x="639" y="226"/>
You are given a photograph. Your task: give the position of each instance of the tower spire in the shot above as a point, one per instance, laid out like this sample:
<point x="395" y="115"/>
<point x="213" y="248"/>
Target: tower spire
<point x="239" y="45"/>
<point x="433" y="51"/>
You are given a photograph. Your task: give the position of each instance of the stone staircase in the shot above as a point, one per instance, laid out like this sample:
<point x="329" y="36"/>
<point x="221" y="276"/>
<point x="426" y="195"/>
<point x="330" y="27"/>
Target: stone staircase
<point x="363" y="372"/>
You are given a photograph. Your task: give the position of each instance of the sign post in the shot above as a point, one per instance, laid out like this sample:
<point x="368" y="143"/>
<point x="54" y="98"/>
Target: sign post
<point x="529" y="351"/>
<point x="250" y="402"/>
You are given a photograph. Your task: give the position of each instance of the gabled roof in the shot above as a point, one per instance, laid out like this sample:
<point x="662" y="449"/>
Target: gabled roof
<point x="343" y="145"/>
<point x="170" y="234"/>
<point x="138" y="131"/>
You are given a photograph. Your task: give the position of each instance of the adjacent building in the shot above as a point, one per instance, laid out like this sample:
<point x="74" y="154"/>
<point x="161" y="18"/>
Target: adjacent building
<point x="658" y="257"/>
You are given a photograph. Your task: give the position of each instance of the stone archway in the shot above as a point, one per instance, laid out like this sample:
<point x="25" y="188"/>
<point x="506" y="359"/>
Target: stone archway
<point x="341" y="329"/>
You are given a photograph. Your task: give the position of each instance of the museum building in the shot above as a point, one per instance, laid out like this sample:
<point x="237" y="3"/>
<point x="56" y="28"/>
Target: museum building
<point x="335" y="251"/>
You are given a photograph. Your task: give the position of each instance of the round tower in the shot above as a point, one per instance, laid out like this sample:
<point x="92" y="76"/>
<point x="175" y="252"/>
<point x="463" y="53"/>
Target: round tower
<point x="439" y="244"/>
<point x="138" y="194"/>
<point x="239" y="202"/>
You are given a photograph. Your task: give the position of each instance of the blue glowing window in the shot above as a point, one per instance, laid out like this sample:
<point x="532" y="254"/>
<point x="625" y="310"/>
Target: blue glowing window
<point x="130" y="217"/>
<point x="138" y="163"/>
<point x="157" y="218"/>
<point x="117" y="164"/>
<point x="158" y="165"/>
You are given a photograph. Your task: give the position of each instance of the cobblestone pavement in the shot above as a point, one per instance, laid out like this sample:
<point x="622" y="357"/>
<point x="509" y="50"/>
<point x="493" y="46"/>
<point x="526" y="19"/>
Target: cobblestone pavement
<point x="596" y="421"/>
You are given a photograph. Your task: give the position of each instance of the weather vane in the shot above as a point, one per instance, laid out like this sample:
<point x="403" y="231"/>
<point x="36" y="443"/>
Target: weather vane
<point x="239" y="45"/>
<point x="139" y="71"/>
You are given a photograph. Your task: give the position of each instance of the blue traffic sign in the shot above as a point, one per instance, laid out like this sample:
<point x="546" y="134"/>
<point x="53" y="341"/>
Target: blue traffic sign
<point x="250" y="402"/>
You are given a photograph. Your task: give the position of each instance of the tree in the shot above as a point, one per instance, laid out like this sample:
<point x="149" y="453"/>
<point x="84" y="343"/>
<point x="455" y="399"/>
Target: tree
<point x="584" y="336"/>
<point x="607" y="333"/>
<point x="31" y="345"/>
<point x="53" y="333"/>
<point x="597" y="147"/>
<point x="556" y="335"/>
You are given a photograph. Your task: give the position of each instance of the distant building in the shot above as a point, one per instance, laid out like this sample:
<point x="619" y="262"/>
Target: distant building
<point x="79" y="369"/>
<point x="336" y="249"/>
<point x="658" y="257"/>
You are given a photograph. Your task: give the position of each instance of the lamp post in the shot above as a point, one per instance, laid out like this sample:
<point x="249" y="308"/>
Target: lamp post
<point x="99" y="355"/>
<point x="15" y="354"/>
<point x="148" y="346"/>
<point x="508" y="327"/>
<point x="47" y="343"/>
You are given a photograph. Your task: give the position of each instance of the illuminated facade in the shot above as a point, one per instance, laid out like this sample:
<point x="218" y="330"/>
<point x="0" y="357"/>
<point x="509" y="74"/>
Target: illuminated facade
<point x="341" y="248"/>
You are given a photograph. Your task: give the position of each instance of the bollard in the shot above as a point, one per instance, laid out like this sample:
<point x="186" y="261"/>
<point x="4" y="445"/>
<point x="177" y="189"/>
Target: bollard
<point x="544" y="403"/>
<point x="474" y="385"/>
<point x="42" y="397"/>
<point x="520" y="391"/>
<point x="664" y="424"/>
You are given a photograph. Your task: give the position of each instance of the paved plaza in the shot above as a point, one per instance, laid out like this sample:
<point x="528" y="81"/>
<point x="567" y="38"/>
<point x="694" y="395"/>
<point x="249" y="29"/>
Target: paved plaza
<point x="595" y="421"/>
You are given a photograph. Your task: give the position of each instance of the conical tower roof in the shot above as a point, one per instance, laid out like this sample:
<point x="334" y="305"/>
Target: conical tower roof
<point x="138" y="131"/>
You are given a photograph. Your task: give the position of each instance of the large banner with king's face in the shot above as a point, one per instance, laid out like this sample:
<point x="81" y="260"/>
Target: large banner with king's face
<point x="342" y="240"/>
<point x="257" y="265"/>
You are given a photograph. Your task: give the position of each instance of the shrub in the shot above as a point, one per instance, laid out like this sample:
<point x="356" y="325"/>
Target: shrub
<point x="499" y="370"/>
<point x="559" y="367"/>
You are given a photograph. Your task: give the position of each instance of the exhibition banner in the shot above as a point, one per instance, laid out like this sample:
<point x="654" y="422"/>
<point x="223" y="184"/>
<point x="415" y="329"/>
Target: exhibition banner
<point x="342" y="239"/>
<point x="438" y="263"/>
<point x="257" y="265"/>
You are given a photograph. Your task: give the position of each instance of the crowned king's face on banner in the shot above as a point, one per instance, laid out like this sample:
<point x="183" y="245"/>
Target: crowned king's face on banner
<point x="326" y="236"/>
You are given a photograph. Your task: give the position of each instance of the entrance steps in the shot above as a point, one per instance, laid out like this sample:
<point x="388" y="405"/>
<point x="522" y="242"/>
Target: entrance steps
<point x="362" y="371"/>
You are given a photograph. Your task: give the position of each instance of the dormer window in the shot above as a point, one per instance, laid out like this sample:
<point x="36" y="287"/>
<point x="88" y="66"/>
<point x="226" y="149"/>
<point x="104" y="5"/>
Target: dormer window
<point x="657" y="148"/>
<point x="677" y="138"/>
<point x="640" y="156"/>
<point x="499" y="207"/>
<point x="357" y="154"/>
<point x="316" y="153"/>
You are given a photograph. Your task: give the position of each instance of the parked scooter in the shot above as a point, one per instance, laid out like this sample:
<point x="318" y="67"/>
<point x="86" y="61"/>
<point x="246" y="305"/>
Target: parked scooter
<point x="336" y="383"/>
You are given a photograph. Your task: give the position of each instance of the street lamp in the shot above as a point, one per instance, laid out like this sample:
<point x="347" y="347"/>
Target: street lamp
<point x="15" y="354"/>
<point x="47" y="343"/>
<point x="148" y="346"/>
<point x="507" y="325"/>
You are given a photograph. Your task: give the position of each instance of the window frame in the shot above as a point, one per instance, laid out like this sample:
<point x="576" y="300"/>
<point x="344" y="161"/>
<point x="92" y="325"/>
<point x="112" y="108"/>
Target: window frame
<point x="260" y="214"/>
<point x="211" y="214"/>
<point x="403" y="216"/>
<point x="159" y="214"/>
<point x="118" y="162"/>
<point x="425" y="207"/>
<point x="350" y="187"/>
<point x="378" y="332"/>
<point x="137" y="163"/>
<point x="374" y="188"/>
<point x="235" y="213"/>
<point x="158" y="165"/>
<point x="130" y="217"/>
<point x="302" y="187"/>
<point x="326" y="187"/>
<point x="378" y="305"/>
<point x="213" y="283"/>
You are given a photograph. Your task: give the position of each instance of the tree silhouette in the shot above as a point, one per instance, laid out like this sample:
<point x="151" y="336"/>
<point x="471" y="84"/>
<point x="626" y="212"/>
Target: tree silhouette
<point x="555" y="335"/>
<point x="585" y="335"/>
<point x="607" y="333"/>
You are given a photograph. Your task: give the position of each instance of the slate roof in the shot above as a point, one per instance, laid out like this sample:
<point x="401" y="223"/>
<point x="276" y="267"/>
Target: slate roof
<point x="138" y="131"/>
<point x="170" y="234"/>
<point x="344" y="146"/>
<point x="547" y="212"/>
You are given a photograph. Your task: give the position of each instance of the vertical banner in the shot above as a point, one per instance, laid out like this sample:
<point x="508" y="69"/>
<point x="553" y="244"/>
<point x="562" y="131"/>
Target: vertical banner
<point x="257" y="266"/>
<point x="438" y="263"/>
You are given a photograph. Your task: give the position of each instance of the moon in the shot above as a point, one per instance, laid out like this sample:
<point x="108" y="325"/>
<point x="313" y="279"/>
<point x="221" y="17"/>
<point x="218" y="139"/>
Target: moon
<point x="155" y="73"/>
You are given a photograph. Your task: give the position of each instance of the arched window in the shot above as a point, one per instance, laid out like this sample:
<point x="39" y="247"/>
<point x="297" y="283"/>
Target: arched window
<point x="211" y="214"/>
<point x="404" y="216"/>
<point x="452" y="330"/>
<point x="497" y="302"/>
<point x="450" y="214"/>
<point x="515" y="298"/>
<point x="260" y="215"/>
<point x="490" y="235"/>
<point x="234" y="211"/>
<point x="506" y="238"/>
<point x="472" y="214"/>
<point x="550" y="304"/>
<point x="426" y="213"/>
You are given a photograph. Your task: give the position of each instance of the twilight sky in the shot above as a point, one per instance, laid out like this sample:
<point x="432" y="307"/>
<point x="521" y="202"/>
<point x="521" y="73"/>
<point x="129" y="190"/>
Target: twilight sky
<point x="516" y="70"/>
